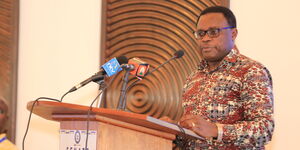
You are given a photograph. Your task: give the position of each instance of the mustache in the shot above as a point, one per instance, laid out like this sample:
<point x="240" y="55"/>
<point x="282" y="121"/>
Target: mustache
<point x="206" y="46"/>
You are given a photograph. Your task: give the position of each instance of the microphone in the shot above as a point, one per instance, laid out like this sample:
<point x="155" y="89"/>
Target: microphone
<point x="177" y="54"/>
<point x="109" y="68"/>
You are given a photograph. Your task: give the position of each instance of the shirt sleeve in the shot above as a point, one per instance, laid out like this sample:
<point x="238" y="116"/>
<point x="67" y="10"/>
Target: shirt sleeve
<point x="257" y="127"/>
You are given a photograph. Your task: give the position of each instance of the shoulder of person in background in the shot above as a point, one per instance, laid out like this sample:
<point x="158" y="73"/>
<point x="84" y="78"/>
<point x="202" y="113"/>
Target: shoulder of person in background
<point x="5" y="144"/>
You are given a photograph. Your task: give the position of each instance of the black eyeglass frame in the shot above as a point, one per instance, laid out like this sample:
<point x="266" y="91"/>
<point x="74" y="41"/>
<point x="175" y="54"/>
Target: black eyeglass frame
<point x="208" y="32"/>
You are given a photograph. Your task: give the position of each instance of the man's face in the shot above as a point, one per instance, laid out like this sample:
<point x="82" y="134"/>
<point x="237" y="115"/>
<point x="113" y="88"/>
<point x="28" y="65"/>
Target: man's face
<point x="3" y="114"/>
<point x="214" y="49"/>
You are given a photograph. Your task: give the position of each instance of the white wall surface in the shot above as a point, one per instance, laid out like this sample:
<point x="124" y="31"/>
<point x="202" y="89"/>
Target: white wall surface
<point x="59" y="47"/>
<point x="269" y="32"/>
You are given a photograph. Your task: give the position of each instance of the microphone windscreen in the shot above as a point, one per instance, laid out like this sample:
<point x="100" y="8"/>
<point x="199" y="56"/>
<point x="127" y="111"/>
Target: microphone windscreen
<point x="122" y="60"/>
<point x="179" y="54"/>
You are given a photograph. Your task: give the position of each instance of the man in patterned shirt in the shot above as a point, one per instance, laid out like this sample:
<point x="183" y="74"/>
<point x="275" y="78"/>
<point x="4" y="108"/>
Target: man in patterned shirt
<point x="228" y="99"/>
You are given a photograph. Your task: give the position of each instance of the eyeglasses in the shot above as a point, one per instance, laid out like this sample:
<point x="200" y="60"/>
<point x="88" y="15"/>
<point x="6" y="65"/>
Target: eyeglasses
<point x="212" y="33"/>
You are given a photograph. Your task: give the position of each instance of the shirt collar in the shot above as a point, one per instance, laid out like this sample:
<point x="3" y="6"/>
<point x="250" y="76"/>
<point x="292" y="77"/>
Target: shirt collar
<point x="229" y="60"/>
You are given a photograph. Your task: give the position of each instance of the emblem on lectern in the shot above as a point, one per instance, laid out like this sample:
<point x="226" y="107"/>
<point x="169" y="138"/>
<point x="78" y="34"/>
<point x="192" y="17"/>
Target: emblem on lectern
<point x="77" y="137"/>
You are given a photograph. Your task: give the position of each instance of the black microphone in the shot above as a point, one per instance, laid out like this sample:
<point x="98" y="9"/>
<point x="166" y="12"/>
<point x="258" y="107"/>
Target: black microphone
<point x="112" y="65"/>
<point x="177" y="54"/>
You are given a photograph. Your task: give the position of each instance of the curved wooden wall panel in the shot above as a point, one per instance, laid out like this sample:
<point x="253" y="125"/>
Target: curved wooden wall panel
<point x="152" y="30"/>
<point x="9" y="12"/>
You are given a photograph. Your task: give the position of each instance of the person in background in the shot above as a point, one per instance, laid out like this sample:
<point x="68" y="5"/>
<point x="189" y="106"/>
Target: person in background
<point x="5" y="144"/>
<point x="228" y="99"/>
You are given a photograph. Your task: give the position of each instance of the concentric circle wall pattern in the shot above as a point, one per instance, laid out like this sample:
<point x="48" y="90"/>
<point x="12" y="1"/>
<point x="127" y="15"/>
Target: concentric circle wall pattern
<point x="152" y="30"/>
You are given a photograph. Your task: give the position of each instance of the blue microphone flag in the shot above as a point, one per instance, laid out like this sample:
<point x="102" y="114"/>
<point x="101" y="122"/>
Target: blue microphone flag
<point x="112" y="67"/>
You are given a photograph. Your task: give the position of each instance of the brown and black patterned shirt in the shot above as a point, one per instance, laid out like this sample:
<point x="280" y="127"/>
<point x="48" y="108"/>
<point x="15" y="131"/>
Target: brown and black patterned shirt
<point x="237" y="94"/>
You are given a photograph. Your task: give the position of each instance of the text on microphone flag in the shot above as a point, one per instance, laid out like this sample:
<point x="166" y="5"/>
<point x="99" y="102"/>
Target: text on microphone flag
<point x="111" y="67"/>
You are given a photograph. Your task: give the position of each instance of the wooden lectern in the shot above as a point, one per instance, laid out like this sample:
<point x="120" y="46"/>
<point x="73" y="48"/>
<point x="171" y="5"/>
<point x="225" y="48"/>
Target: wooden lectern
<point x="115" y="129"/>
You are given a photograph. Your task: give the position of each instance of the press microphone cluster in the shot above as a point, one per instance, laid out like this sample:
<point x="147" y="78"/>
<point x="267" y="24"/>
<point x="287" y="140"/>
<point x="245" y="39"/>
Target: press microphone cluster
<point x="134" y="66"/>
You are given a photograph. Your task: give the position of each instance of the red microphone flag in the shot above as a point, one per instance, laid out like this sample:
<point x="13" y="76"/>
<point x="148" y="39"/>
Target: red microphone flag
<point x="140" y="67"/>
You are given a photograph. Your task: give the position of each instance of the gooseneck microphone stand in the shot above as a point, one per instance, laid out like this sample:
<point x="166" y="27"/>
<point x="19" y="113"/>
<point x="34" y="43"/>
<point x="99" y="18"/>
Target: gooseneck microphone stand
<point x="122" y="99"/>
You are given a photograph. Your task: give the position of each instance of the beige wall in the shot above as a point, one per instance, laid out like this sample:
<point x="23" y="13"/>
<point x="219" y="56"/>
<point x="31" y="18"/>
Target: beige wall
<point x="59" y="47"/>
<point x="269" y="32"/>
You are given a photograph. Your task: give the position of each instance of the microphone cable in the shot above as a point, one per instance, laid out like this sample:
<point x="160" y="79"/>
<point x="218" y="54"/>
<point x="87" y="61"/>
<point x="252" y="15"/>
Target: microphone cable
<point x="29" y="118"/>
<point x="122" y="59"/>
<point x="91" y="106"/>
<point x="64" y="96"/>
<point x="56" y="100"/>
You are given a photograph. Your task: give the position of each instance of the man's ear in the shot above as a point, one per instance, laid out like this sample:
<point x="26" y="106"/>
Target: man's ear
<point x="234" y="33"/>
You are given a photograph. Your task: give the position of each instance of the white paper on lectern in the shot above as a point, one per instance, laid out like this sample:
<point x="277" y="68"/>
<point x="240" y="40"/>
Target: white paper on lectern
<point x="173" y="126"/>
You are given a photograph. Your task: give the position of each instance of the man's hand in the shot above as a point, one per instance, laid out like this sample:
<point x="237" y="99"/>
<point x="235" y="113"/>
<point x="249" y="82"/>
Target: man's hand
<point x="199" y="125"/>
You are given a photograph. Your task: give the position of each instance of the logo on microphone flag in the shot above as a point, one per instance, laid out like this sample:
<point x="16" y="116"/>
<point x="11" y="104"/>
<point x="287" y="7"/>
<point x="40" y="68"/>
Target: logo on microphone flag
<point x="111" y="67"/>
<point x="142" y="70"/>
